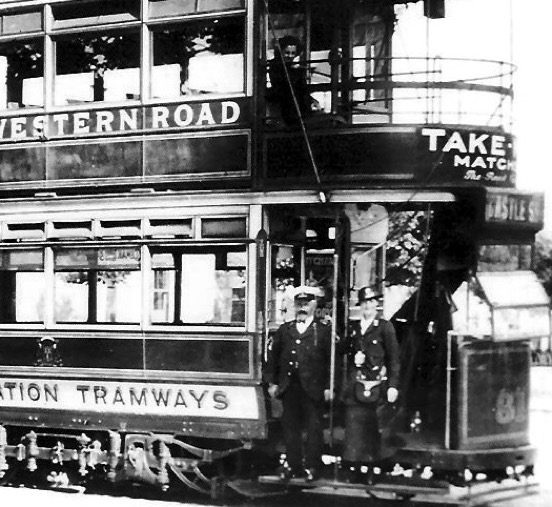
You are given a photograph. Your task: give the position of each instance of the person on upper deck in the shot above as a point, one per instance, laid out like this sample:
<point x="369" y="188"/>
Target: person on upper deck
<point x="288" y="80"/>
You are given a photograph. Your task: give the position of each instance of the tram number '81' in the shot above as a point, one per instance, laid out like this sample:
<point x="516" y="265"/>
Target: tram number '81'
<point x="511" y="406"/>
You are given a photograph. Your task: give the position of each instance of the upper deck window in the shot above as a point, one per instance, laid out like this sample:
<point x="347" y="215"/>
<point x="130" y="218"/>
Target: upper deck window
<point x="199" y="57"/>
<point x="95" y="13"/>
<point x="21" y="74"/>
<point x="23" y="22"/>
<point x="97" y="67"/>
<point x="166" y="8"/>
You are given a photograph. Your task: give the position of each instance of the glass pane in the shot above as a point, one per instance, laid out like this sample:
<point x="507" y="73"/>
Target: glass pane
<point x="21" y="296"/>
<point x="198" y="58"/>
<point x="21" y="23"/>
<point x="219" y="5"/>
<point x="93" y="13"/>
<point x="165" y="8"/>
<point x="29" y="260"/>
<point x="199" y="285"/>
<point x="223" y="227"/>
<point x="98" y="296"/>
<point x="21" y="74"/>
<point x="97" y="68"/>
<point x="119" y="296"/>
<point x="163" y="296"/>
<point x="199" y="288"/>
<point x="71" y="296"/>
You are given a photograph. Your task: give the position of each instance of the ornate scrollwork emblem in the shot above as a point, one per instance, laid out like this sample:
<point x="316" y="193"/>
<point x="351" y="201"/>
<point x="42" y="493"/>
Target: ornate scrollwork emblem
<point x="48" y="353"/>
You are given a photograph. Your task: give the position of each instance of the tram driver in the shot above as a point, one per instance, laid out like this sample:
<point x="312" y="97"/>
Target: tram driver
<point x="298" y="372"/>
<point x="373" y="364"/>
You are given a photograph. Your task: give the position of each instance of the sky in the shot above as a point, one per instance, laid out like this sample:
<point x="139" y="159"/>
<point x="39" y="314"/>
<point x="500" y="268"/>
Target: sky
<point x="517" y="31"/>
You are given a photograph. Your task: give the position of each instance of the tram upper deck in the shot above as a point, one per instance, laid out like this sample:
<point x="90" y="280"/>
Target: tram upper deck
<point x="106" y="95"/>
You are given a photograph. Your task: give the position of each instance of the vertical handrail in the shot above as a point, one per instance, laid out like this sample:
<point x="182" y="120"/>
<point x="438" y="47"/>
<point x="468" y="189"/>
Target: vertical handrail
<point x="334" y="342"/>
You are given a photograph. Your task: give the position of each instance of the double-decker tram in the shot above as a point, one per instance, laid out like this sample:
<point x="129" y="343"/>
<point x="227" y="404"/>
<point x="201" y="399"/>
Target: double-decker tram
<point x="170" y="170"/>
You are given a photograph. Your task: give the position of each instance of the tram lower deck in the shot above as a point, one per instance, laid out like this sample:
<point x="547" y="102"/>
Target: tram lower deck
<point x="134" y="342"/>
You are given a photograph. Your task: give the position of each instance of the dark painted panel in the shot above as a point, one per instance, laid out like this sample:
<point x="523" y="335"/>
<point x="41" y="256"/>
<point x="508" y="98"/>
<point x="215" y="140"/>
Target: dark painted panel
<point x="359" y="154"/>
<point x="99" y="160"/>
<point x="191" y="155"/>
<point x="74" y="352"/>
<point x="215" y="356"/>
<point x="494" y="394"/>
<point x="22" y="164"/>
<point x="428" y="156"/>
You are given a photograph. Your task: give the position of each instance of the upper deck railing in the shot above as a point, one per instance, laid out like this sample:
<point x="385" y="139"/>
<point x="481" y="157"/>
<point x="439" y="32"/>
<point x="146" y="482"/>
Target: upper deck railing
<point x="403" y="90"/>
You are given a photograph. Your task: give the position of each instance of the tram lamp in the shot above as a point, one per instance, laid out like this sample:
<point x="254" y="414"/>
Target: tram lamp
<point x="434" y="9"/>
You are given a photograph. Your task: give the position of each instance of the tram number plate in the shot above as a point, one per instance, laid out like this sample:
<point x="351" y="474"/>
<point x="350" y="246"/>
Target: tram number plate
<point x="511" y="406"/>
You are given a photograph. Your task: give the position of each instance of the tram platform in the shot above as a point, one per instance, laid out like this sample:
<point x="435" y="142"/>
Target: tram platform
<point x="416" y="491"/>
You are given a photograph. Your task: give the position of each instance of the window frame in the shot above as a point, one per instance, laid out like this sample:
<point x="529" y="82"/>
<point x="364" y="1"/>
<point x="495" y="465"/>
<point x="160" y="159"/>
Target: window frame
<point x="146" y="291"/>
<point x="146" y="26"/>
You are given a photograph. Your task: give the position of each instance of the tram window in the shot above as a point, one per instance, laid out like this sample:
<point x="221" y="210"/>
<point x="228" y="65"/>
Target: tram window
<point x="98" y="286"/>
<point x="199" y="285"/>
<point x="166" y="8"/>
<point x="23" y="22"/>
<point x="199" y="57"/>
<point x="22" y="286"/>
<point x="223" y="227"/>
<point x="84" y="13"/>
<point x="21" y="74"/>
<point x="98" y="67"/>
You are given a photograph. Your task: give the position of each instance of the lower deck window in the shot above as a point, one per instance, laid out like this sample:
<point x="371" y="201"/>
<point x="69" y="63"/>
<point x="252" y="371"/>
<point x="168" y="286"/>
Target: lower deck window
<point x="22" y="286"/>
<point x="199" y="285"/>
<point x="87" y="294"/>
<point x="98" y="296"/>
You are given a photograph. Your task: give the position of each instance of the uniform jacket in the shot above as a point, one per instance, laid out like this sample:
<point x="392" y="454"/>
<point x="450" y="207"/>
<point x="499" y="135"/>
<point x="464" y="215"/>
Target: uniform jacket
<point x="380" y="345"/>
<point x="308" y="354"/>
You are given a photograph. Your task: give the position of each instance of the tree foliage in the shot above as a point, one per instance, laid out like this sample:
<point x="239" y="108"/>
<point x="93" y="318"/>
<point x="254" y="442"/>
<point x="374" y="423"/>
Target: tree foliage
<point x="406" y="248"/>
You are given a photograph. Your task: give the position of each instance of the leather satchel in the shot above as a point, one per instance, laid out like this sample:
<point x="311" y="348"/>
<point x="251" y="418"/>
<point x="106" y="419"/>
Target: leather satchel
<point x="368" y="390"/>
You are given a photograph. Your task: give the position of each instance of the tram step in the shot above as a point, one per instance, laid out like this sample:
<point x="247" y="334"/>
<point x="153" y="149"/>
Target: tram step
<point x="256" y="489"/>
<point x="405" y="485"/>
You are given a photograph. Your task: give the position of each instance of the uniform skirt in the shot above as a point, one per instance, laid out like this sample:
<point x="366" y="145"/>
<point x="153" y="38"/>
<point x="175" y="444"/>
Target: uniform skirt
<point x="362" y="435"/>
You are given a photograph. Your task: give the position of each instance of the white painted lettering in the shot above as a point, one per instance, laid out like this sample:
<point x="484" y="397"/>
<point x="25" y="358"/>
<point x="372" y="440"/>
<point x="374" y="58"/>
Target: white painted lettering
<point x="230" y="112"/>
<point x="81" y="123"/>
<point x="461" y="161"/>
<point x="433" y="135"/>
<point x="188" y="112"/>
<point x="478" y="162"/>
<point x="477" y="143"/>
<point x="39" y="122"/>
<point x="59" y="120"/>
<point x="497" y="146"/>
<point x="128" y="119"/>
<point x="159" y="117"/>
<point x="104" y="121"/>
<point x="18" y="127"/>
<point x="205" y="115"/>
<point x="455" y="142"/>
